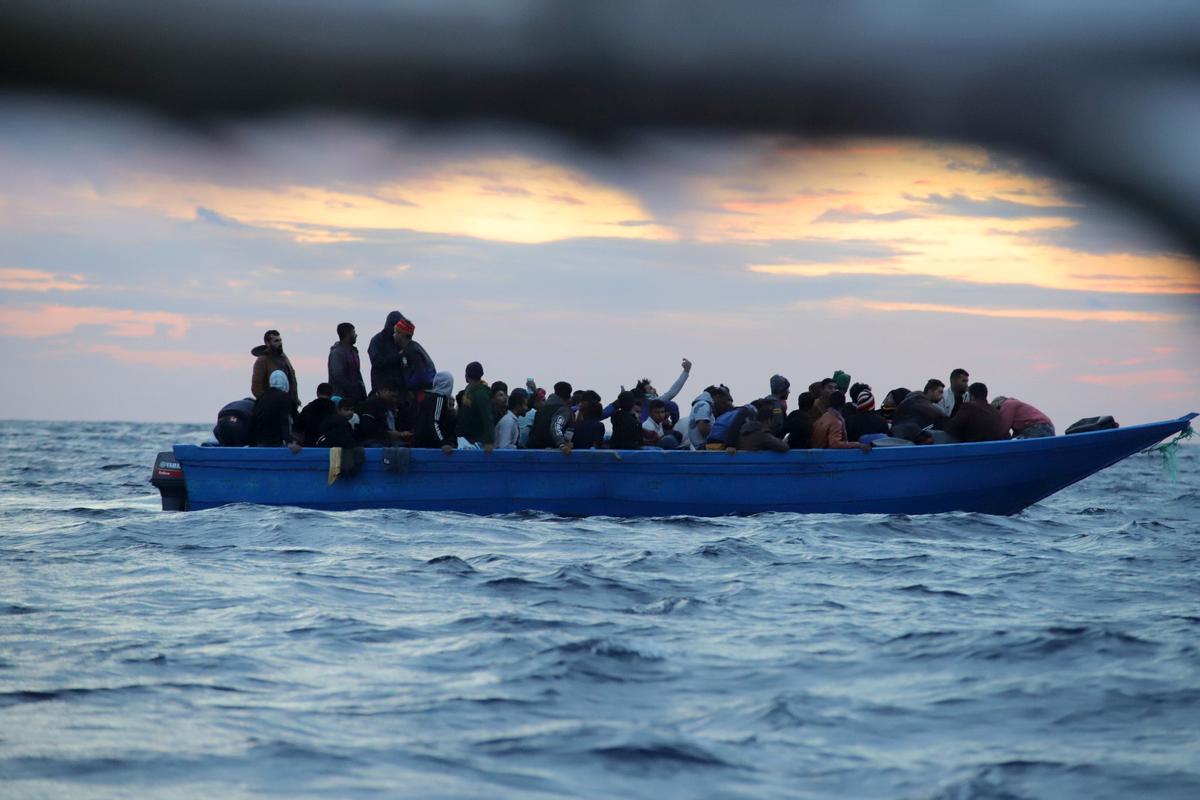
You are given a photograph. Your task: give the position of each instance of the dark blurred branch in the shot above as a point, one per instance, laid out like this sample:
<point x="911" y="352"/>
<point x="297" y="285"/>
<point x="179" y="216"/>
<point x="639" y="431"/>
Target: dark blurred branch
<point x="1107" y="91"/>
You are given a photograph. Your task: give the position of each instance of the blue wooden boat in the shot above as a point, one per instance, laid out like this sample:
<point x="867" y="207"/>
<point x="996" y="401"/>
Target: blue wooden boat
<point x="988" y="477"/>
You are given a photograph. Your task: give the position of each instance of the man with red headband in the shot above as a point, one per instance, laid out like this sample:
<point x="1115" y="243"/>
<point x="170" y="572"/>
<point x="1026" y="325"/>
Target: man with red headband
<point x="416" y="366"/>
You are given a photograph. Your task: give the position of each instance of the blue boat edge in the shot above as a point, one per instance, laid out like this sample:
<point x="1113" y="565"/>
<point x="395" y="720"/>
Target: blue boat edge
<point x="987" y="477"/>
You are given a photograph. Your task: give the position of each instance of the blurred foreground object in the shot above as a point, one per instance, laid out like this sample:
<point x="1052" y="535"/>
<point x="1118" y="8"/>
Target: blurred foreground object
<point x="1109" y="92"/>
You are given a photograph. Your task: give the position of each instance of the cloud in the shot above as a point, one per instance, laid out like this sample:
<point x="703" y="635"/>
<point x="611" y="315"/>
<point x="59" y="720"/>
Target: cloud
<point x="1058" y="314"/>
<point x="36" y="280"/>
<point x="1152" y="377"/>
<point x="168" y="359"/>
<point x="960" y="205"/>
<point x="50" y="321"/>
<point x="852" y="213"/>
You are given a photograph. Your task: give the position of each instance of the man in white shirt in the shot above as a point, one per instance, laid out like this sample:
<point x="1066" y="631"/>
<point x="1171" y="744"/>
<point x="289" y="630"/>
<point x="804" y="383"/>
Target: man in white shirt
<point x="508" y="429"/>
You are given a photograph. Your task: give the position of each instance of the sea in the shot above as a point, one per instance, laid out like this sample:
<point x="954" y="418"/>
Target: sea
<point x="250" y="652"/>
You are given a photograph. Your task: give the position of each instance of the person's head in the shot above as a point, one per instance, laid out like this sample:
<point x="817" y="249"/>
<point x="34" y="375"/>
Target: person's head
<point x="959" y="380"/>
<point x="765" y="408"/>
<point x="402" y="332"/>
<point x="563" y="390"/>
<point x="722" y="401"/>
<point x="864" y="401"/>
<point x="474" y="372"/>
<point x="934" y="389"/>
<point x="855" y="390"/>
<point x="814" y="388"/>
<point x="500" y="395"/>
<point x="538" y="400"/>
<point x="273" y="341"/>
<point x="577" y="397"/>
<point x="804" y="401"/>
<point x="997" y="402"/>
<point x="645" y="389"/>
<point x="346" y="333"/>
<point x="837" y="400"/>
<point x="978" y="392"/>
<point x="278" y="380"/>
<point x="780" y="386"/>
<point x="388" y="394"/>
<point x="324" y="390"/>
<point x="626" y="402"/>
<point x="518" y="402"/>
<point x="895" y="397"/>
<point x="346" y="407"/>
<point x="658" y="410"/>
<point x="828" y="387"/>
<point x="443" y="384"/>
<point x="591" y="409"/>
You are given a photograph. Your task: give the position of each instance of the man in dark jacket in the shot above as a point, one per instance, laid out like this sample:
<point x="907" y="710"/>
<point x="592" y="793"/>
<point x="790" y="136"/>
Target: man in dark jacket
<point x="269" y="356"/>
<point x="756" y="434"/>
<point x="552" y="421"/>
<point x="865" y="419"/>
<point x="626" y="431"/>
<point x="386" y="358"/>
<point x="380" y="424"/>
<point x="976" y="420"/>
<point x="918" y="411"/>
<point x="416" y="366"/>
<point x="337" y="430"/>
<point x="345" y="368"/>
<point x="798" y="426"/>
<point x="308" y="424"/>
<point x="233" y="423"/>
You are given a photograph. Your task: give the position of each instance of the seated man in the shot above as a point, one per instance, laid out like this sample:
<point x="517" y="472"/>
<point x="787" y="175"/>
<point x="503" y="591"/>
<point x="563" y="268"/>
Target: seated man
<point x="708" y="405"/>
<point x="756" y="434"/>
<point x="550" y="428"/>
<point x="476" y="424"/>
<point x="308" y="424"/>
<point x="436" y="422"/>
<point x="865" y="420"/>
<point x="644" y="391"/>
<point x="829" y="432"/>
<point x="956" y="393"/>
<point x="234" y="422"/>
<point x="976" y="420"/>
<point x="1025" y="421"/>
<point x="821" y="390"/>
<point x="654" y="431"/>
<point x="918" y="411"/>
<point x="271" y="424"/>
<point x="508" y="429"/>
<point x="798" y="425"/>
<point x="499" y="401"/>
<point x="728" y="427"/>
<point x="378" y="426"/>
<point x="626" y="432"/>
<point x="589" y="424"/>
<point x="337" y="430"/>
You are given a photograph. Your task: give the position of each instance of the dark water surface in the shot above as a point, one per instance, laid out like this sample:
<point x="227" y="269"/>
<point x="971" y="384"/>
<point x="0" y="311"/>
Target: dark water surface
<point x="249" y="652"/>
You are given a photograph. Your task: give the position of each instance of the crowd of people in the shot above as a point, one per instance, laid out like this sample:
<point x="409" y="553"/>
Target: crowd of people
<point x="412" y="404"/>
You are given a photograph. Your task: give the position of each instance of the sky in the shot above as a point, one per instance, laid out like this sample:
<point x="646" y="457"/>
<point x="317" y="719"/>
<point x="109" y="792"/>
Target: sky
<point x="140" y="263"/>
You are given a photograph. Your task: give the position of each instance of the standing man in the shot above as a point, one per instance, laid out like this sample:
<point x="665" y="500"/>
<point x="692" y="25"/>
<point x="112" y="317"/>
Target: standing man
<point x="416" y="366"/>
<point x="476" y="425"/>
<point x="386" y="369"/>
<point x="345" y="368"/>
<point x="269" y="358"/>
<point x="956" y="394"/>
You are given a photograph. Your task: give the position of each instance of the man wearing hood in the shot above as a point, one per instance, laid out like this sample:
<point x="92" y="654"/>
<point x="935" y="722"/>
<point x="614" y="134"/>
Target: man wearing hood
<point x="345" y="368"/>
<point x="269" y="357"/>
<point x="387" y="359"/>
<point x="271" y="424"/>
<point x="551" y="424"/>
<point x="436" y="417"/>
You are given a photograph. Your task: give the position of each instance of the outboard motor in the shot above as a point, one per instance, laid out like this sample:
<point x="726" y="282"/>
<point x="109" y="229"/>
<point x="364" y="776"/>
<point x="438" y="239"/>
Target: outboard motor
<point x="167" y="477"/>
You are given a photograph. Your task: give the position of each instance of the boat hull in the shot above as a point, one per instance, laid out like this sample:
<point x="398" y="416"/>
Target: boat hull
<point x="988" y="477"/>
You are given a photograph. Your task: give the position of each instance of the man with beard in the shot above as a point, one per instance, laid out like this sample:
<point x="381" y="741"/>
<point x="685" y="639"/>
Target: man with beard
<point x="345" y="368"/>
<point x="269" y="358"/>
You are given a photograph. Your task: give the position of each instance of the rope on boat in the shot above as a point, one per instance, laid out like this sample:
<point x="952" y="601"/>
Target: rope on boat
<point x="1169" y="451"/>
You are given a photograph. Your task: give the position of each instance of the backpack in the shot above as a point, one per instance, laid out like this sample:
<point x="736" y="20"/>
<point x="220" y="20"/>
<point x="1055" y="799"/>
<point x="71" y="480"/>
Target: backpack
<point x="1088" y="424"/>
